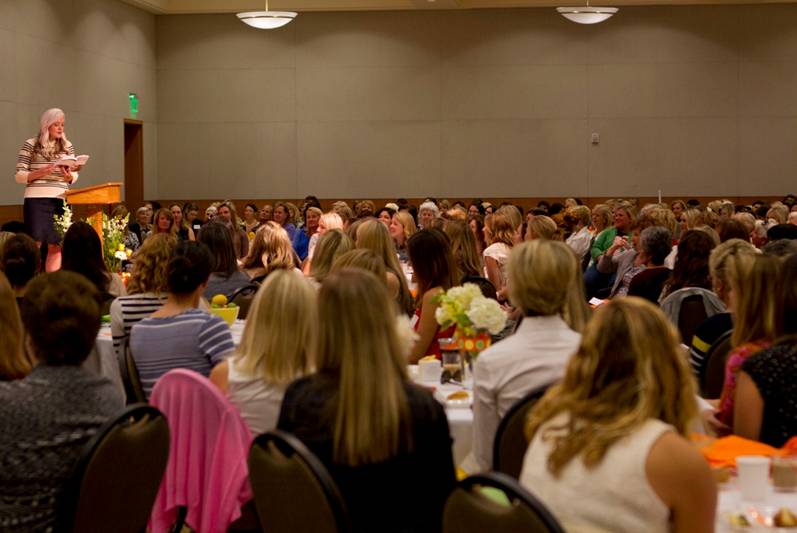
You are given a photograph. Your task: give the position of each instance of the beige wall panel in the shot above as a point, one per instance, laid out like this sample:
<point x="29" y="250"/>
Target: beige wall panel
<point x="388" y="39"/>
<point x="390" y="93"/>
<point x="768" y="33"/>
<point x="278" y="175"/>
<point x="665" y="35"/>
<point x="182" y="169"/>
<point x="698" y="152"/>
<point x="221" y="42"/>
<point x="768" y="161"/>
<point x="496" y="37"/>
<point x="10" y="143"/>
<point x="663" y="90"/>
<point x="368" y="159"/>
<point x="8" y="15"/>
<point x="113" y="30"/>
<point x="515" y="92"/>
<point x="48" y="84"/>
<point x="768" y="89"/>
<point x="99" y="137"/>
<point x="48" y="20"/>
<point x="514" y="157"/>
<point x="101" y="86"/>
<point x="8" y="71"/>
<point x="229" y="95"/>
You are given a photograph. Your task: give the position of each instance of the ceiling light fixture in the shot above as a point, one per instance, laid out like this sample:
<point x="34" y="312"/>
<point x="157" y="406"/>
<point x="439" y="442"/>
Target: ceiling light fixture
<point x="266" y="20"/>
<point x="587" y="14"/>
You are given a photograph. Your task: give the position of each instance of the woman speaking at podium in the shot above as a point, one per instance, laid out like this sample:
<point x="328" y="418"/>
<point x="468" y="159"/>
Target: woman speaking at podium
<point x="46" y="182"/>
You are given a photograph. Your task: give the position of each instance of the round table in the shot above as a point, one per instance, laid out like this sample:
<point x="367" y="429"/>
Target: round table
<point x="729" y="502"/>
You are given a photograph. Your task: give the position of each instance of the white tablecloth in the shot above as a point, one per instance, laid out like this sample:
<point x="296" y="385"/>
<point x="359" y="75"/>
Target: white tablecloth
<point x="730" y="501"/>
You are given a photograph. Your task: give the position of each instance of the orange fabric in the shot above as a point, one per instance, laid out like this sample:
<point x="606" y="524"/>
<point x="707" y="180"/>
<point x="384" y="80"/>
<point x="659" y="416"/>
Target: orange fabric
<point x="723" y="452"/>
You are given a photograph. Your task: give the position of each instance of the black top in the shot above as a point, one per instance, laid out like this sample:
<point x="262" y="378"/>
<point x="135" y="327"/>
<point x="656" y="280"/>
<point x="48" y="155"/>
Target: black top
<point x="773" y="370"/>
<point x="707" y="334"/>
<point x="403" y="494"/>
<point x="649" y="283"/>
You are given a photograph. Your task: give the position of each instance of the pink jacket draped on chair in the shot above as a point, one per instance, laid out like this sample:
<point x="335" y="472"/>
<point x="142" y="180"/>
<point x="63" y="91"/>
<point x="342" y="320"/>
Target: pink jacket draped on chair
<point x="207" y="469"/>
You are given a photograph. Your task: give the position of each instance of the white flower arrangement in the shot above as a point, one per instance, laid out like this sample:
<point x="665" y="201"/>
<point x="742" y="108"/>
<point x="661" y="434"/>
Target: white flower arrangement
<point x="62" y="222"/>
<point x="113" y="241"/>
<point x="468" y="309"/>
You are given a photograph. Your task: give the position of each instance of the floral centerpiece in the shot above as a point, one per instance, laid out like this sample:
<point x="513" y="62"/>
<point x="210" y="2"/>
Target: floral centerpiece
<point x="61" y="223"/>
<point x="113" y="241"/>
<point x="475" y="316"/>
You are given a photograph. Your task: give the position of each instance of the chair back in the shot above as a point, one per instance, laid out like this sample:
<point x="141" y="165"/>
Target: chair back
<point x="127" y="368"/>
<point x="713" y="378"/>
<point x="293" y="491"/>
<point x="206" y="472"/>
<point x="510" y="444"/>
<point x="117" y="476"/>
<point x="243" y="297"/>
<point x="693" y="313"/>
<point x="469" y="510"/>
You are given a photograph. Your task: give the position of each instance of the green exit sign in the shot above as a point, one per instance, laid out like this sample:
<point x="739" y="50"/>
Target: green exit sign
<point x="132" y="98"/>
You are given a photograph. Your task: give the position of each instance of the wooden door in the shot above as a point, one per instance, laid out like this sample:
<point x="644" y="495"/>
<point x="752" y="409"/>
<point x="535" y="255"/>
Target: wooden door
<point x="134" y="164"/>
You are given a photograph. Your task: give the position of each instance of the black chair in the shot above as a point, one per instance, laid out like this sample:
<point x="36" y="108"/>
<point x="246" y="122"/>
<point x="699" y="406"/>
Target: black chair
<point x="293" y="490"/>
<point x="692" y="314"/>
<point x="712" y="378"/>
<point x="509" y="446"/>
<point x="132" y="384"/>
<point x="468" y="510"/>
<point x="242" y="297"/>
<point x="117" y="477"/>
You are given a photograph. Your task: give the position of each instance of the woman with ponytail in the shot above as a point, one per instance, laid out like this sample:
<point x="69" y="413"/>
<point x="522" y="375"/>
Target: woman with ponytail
<point x="178" y="335"/>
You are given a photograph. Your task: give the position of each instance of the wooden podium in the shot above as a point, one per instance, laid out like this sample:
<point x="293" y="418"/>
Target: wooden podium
<point x="96" y="199"/>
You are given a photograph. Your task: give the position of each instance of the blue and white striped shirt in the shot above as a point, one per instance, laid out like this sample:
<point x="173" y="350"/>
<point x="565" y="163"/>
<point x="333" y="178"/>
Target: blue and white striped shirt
<point x="195" y="340"/>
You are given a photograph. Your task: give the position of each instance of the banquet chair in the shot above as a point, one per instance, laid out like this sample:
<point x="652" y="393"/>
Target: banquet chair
<point x="293" y="490"/>
<point x="243" y="297"/>
<point x="132" y="384"/>
<point x="117" y="476"/>
<point x="471" y="509"/>
<point x="713" y="377"/>
<point x="509" y="446"/>
<point x="206" y="480"/>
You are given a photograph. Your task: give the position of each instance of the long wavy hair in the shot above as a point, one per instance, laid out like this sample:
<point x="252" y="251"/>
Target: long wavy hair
<point x="48" y="118"/>
<point x="371" y="416"/>
<point x="464" y="248"/>
<point x="758" y="313"/>
<point x="627" y="370"/>
<point x="330" y="246"/>
<point x="271" y="249"/>
<point x="150" y="265"/>
<point x="691" y="266"/>
<point x="373" y="235"/>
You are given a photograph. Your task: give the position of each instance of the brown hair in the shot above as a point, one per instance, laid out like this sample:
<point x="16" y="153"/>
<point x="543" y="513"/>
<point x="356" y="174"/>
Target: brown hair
<point x="149" y="266"/>
<point x="13" y="363"/>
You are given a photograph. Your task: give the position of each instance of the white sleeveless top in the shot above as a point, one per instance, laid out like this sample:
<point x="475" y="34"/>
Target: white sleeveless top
<point x="614" y="496"/>
<point x="258" y="401"/>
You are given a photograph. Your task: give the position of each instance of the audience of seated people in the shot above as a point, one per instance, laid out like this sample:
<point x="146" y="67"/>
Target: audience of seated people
<point x="322" y="355"/>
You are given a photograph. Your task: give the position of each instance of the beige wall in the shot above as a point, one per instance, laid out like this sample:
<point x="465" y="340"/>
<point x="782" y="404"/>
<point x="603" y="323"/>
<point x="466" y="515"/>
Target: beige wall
<point x="83" y="56"/>
<point x="690" y="100"/>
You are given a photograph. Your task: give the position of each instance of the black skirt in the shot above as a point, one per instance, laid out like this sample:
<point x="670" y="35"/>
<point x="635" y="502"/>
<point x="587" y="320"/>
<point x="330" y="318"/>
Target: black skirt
<point x="39" y="214"/>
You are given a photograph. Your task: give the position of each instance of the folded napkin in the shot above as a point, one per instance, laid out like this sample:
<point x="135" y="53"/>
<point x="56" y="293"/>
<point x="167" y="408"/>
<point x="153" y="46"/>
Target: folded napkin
<point x="722" y="453"/>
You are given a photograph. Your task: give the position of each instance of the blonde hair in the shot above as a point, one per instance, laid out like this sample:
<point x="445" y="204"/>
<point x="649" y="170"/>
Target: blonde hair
<point x="13" y="363"/>
<point x="48" y="118"/>
<point x="331" y="220"/>
<point x="747" y="219"/>
<point x="500" y="228"/>
<point x="605" y="212"/>
<point x="513" y="214"/>
<point x="271" y="249"/>
<point x="330" y="246"/>
<point x="627" y="370"/>
<point x="694" y="218"/>
<point x="364" y="259"/>
<point x="407" y="222"/>
<point x="463" y="248"/>
<point x="723" y="263"/>
<point x="280" y="330"/>
<point x="581" y="214"/>
<point x="372" y="415"/>
<point x="149" y="266"/>
<point x="757" y="312"/>
<point x="543" y="227"/>
<point x="545" y="279"/>
<point x="373" y="235"/>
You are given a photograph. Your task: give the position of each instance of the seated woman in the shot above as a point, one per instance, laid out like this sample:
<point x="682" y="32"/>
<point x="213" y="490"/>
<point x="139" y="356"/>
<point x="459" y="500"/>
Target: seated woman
<point x="146" y="290"/>
<point x="283" y="216"/>
<point x="184" y="230"/>
<point x="691" y="265"/>
<point x="435" y="273"/>
<point x="384" y="440"/>
<point x="546" y="285"/>
<point x="581" y="238"/>
<point x="402" y="227"/>
<point x="14" y="362"/>
<point x="20" y="262"/>
<point x="766" y="391"/>
<point x="276" y="348"/>
<point x="757" y="321"/>
<point x="271" y="250"/>
<point x="47" y="418"/>
<point x="163" y="222"/>
<point x="648" y="281"/>
<point x="82" y="253"/>
<point x="331" y="245"/>
<point x="328" y="221"/>
<point x="251" y="218"/>
<point x="301" y="240"/>
<point x="369" y="261"/>
<point x="225" y="277"/>
<point x="229" y="218"/>
<point x="605" y="440"/>
<point x="178" y="335"/>
<point x="500" y="236"/>
<point x="463" y="249"/>
<point x="372" y="235"/>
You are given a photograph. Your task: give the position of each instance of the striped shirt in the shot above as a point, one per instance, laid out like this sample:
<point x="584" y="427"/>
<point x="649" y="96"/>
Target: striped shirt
<point x="195" y="340"/>
<point x="126" y="311"/>
<point x="50" y="186"/>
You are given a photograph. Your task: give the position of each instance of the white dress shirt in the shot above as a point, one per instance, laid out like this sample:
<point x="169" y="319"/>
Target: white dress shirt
<point x="535" y="356"/>
<point x="580" y="241"/>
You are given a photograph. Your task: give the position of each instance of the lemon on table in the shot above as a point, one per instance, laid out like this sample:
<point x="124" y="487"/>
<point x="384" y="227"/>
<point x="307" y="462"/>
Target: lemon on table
<point x="219" y="300"/>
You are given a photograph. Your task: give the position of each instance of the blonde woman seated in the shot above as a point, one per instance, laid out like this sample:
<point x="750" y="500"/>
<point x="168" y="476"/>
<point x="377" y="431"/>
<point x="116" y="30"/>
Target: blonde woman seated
<point x="367" y="260"/>
<point x="270" y="250"/>
<point x="402" y="227"/>
<point x="372" y="235"/>
<point x="384" y="440"/>
<point x="328" y="221"/>
<point x="542" y="227"/>
<point x="581" y="238"/>
<point x="546" y="285"/>
<point x="332" y="245"/>
<point x="499" y="234"/>
<point x="608" y="448"/>
<point x="275" y="349"/>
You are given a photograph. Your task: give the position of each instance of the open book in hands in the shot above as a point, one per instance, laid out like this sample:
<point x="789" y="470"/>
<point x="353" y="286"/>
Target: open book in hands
<point x="71" y="161"/>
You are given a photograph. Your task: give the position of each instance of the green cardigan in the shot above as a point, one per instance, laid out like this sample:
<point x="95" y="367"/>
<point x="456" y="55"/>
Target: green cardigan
<point x="603" y="242"/>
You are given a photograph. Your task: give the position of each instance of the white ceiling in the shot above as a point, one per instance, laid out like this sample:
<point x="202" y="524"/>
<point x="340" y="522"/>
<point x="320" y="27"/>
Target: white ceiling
<point x="182" y="7"/>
